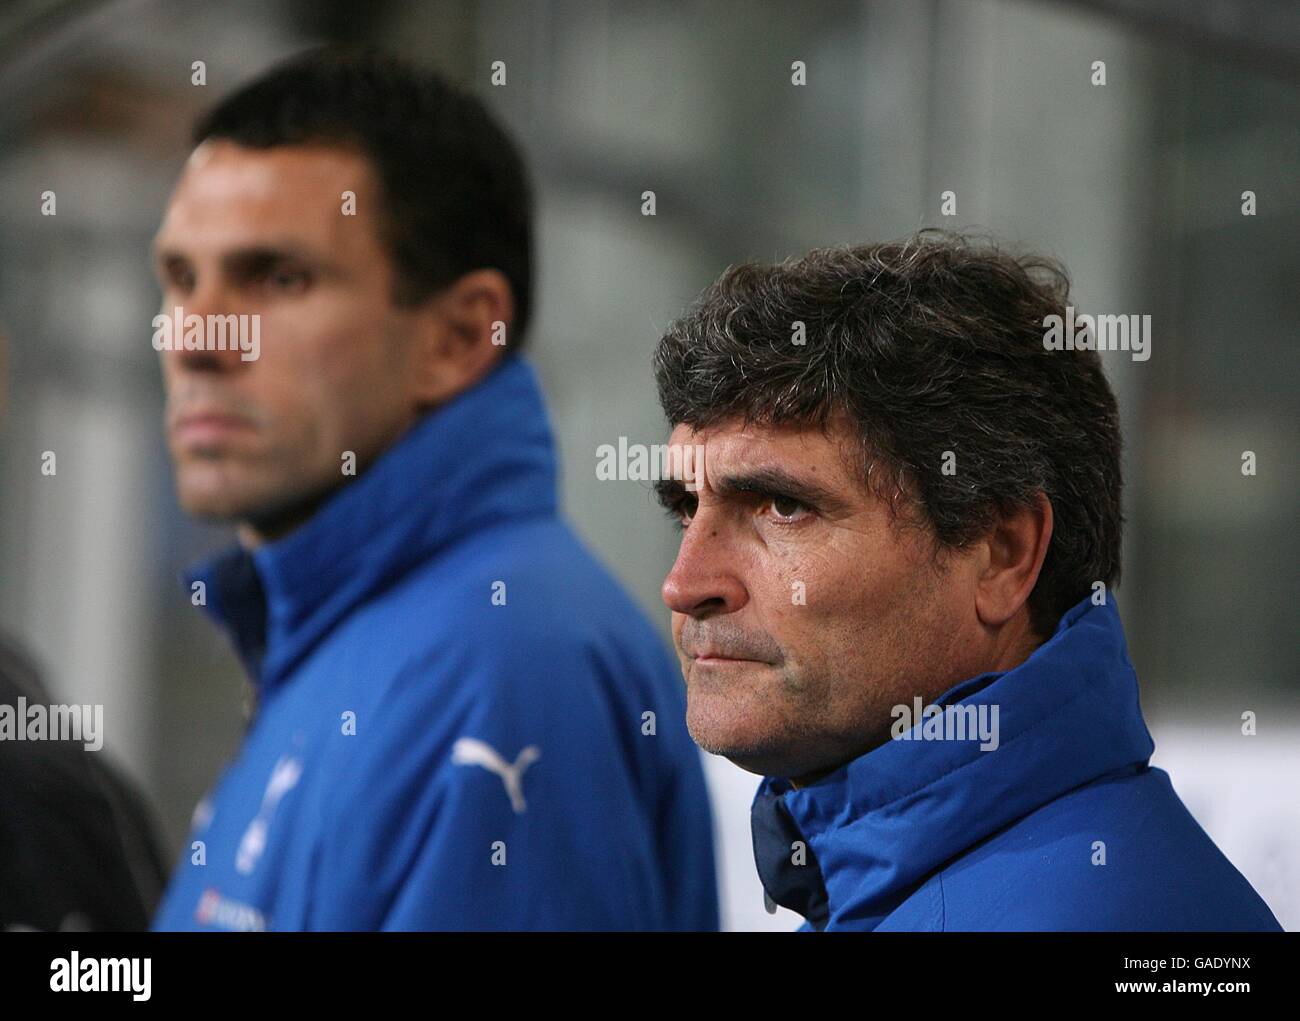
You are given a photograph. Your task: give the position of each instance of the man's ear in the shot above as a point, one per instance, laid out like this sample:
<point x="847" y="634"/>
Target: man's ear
<point x="1011" y="560"/>
<point x="461" y="335"/>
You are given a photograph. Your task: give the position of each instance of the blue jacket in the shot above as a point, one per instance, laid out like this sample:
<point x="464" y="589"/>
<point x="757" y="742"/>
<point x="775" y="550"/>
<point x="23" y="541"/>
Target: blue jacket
<point x="453" y="726"/>
<point x="1063" y="826"/>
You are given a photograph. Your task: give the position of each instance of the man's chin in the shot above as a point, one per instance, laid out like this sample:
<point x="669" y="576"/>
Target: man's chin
<point x="269" y="515"/>
<point x="742" y="743"/>
<point x="213" y="508"/>
<point x="211" y="494"/>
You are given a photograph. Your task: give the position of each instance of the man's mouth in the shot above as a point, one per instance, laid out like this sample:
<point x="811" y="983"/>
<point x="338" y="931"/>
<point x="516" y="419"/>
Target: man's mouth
<point x="711" y="658"/>
<point x="203" y="428"/>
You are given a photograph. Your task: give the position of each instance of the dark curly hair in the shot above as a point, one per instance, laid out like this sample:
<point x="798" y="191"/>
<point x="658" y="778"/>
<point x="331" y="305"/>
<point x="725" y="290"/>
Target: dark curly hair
<point x="929" y="344"/>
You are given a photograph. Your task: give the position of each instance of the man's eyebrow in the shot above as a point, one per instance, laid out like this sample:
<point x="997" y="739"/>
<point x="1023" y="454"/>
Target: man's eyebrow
<point x="775" y="481"/>
<point x="244" y="260"/>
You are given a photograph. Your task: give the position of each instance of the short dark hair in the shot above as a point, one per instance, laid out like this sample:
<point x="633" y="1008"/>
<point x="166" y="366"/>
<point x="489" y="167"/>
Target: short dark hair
<point x="455" y="191"/>
<point x="929" y="344"/>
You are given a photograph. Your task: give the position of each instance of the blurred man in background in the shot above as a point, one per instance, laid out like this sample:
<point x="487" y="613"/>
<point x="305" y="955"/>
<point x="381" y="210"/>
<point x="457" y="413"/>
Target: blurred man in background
<point x="893" y="599"/>
<point x="452" y="695"/>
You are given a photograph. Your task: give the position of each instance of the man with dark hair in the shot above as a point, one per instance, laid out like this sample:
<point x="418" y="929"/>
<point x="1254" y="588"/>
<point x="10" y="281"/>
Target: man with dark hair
<point x="452" y="694"/>
<point x="901" y="526"/>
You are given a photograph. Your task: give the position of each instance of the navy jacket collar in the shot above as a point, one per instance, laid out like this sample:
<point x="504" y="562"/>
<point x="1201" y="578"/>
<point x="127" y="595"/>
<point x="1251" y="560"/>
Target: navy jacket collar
<point x="880" y="824"/>
<point x="483" y="457"/>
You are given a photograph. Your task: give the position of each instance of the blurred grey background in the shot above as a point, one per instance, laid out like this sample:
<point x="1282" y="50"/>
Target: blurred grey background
<point x="1136" y="184"/>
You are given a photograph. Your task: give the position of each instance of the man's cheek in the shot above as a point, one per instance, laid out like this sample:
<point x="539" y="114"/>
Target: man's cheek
<point x="798" y="584"/>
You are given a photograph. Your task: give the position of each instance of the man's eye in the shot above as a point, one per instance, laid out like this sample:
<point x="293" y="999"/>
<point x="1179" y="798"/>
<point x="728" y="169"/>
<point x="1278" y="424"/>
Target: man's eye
<point x="787" y="508"/>
<point x="288" y="281"/>
<point x="180" y="280"/>
<point x="682" y="511"/>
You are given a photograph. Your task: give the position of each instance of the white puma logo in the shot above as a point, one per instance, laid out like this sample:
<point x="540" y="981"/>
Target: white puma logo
<point x="470" y="751"/>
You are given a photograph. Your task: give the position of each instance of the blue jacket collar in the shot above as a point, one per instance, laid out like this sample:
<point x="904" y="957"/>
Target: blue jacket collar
<point x="880" y="824"/>
<point x="483" y="457"/>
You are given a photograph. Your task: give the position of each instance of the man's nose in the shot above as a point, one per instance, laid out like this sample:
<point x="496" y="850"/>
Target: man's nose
<point x="210" y="354"/>
<point x="703" y="581"/>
